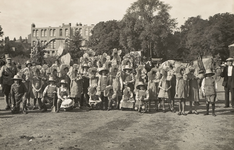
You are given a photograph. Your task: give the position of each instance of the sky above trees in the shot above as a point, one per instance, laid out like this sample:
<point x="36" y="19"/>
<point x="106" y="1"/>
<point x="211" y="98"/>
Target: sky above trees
<point x="16" y="16"/>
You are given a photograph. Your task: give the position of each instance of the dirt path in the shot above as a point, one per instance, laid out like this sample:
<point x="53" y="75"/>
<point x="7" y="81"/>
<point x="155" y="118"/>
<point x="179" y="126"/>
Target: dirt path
<point x="88" y="130"/>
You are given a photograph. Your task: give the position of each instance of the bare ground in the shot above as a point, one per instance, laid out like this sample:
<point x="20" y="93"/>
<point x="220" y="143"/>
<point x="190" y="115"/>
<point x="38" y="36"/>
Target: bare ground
<point x="116" y="129"/>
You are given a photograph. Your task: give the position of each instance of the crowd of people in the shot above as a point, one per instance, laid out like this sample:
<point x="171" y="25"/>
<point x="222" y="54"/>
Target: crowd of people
<point x="111" y="82"/>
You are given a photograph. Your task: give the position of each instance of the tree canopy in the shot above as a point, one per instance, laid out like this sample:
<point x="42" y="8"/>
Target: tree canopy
<point x="105" y="37"/>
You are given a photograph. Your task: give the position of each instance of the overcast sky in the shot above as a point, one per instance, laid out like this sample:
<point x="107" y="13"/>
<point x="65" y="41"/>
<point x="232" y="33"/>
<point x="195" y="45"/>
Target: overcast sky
<point x="17" y="16"/>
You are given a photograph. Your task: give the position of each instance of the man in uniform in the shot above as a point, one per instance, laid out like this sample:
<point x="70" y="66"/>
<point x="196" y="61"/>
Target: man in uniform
<point x="7" y="72"/>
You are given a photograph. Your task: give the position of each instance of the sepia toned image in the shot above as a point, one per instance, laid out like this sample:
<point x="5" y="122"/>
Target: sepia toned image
<point x="116" y="75"/>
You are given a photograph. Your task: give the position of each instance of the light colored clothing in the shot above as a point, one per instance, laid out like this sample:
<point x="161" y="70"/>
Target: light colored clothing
<point x="230" y="71"/>
<point x="164" y="85"/>
<point x="209" y="86"/>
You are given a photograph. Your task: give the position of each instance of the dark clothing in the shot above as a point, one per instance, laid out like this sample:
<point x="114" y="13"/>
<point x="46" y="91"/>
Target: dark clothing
<point x="17" y="92"/>
<point x="228" y="83"/>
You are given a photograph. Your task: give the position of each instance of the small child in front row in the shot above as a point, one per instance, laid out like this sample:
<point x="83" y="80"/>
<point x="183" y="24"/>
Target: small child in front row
<point x="208" y="88"/>
<point x="94" y="99"/>
<point x="18" y="95"/>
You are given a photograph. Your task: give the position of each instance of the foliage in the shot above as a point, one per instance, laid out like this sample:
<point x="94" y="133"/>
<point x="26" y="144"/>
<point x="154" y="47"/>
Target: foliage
<point x="105" y="37"/>
<point x="145" y="26"/>
<point x="74" y="46"/>
<point x="16" y="49"/>
<point x="207" y="37"/>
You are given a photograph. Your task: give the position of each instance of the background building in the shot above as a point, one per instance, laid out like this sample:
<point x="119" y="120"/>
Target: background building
<point x="45" y="34"/>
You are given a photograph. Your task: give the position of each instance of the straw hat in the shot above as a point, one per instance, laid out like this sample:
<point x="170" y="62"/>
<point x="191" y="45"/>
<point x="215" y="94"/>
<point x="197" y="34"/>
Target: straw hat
<point x="85" y="65"/>
<point x="63" y="82"/>
<point x="51" y="79"/>
<point x="140" y="84"/>
<point x="17" y="77"/>
<point x="230" y="59"/>
<point x="102" y="69"/>
<point x="209" y="71"/>
<point x="28" y="62"/>
<point x="127" y="67"/>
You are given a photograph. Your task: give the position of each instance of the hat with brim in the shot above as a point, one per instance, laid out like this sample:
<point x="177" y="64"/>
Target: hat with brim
<point x="140" y="84"/>
<point x="51" y="79"/>
<point x="63" y="82"/>
<point x="102" y="69"/>
<point x="209" y="71"/>
<point x="17" y="77"/>
<point x="28" y="62"/>
<point x="127" y="68"/>
<point x="85" y="66"/>
<point x="229" y="59"/>
<point x="93" y="70"/>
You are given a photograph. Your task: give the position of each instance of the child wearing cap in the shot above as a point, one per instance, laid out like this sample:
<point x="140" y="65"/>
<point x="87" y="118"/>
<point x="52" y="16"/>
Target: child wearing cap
<point x="209" y="87"/>
<point x="142" y="95"/>
<point x="62" y="94"/>
<point x="18" y="95"/>
<point x="49" y="95"/>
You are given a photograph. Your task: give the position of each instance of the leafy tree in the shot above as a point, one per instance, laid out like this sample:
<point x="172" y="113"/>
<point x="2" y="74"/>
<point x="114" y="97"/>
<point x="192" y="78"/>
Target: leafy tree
<point x="74" y="45"/>
<point x="207" y="37"/>
<point x="145" y="26"/>
<point x="105" y="37"/>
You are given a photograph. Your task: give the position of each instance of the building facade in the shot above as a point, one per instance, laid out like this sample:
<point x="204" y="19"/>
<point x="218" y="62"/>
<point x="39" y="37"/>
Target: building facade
<point x="45" y="34"/>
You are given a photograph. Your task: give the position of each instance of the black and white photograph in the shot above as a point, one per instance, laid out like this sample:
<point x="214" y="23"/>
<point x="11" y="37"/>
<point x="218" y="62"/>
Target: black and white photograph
<point x="116" y="74"/>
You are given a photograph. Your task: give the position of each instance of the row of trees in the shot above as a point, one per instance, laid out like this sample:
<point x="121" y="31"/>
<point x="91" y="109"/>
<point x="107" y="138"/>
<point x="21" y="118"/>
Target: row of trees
<point x="148" y="27"/>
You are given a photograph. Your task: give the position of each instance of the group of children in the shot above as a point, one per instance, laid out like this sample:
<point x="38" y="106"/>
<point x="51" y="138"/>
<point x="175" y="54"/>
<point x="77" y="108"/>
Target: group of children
<point x="104" y="82"/>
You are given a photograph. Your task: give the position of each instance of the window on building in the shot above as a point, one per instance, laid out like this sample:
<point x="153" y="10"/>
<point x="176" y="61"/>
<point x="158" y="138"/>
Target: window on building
<point x="51" y="32"/>
<point x="45" y="32"/>
<point x="54" y="44"/>
<point x="51" y="45"/>
<point x="66" y="32"/>
<point x="42" y="43"/>
<point x="54" y="33"/>
<point x="42" y="32"/>
<point x="61" y="32"/>
<point x="34" y="43"/>
<point x="37" y="33"/>
<point x="34" y="33"/>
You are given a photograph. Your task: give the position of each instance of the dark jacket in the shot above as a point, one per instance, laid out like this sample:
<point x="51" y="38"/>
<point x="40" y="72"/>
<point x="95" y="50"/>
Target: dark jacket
<point x="224" y="74"/>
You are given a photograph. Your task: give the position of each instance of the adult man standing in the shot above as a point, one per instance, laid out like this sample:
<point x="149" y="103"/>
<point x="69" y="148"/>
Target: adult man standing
<point x="228" y="82"/>
<point x="7" y="72"/>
